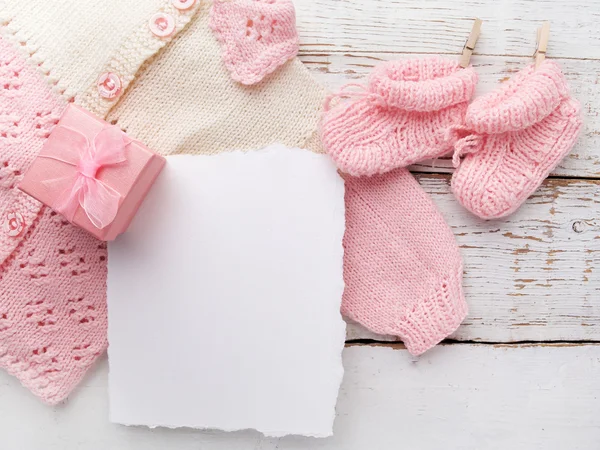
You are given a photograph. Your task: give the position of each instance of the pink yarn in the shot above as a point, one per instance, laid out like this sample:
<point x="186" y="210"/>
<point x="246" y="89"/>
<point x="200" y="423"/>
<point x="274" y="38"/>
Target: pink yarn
<point x="402" y="267"/>
<point x="52" y="275"/>
<point x="514" y="137"/>
<point x="401" y="116"/>
<point x="257" y="36"/>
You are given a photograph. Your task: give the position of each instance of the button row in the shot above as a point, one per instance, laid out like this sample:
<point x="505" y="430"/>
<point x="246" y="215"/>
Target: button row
<point x="161" y="25"/>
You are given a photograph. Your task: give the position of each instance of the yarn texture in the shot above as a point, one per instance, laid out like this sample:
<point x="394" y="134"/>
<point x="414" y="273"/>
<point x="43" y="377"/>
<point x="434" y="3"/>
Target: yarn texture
<point x="74" y="42"/>
<point x="402" y="267"/>
<point x="175" y="108"/>
<point x="513" y="138"/>
<point x="400" y="117"/>
<point x="257" y="36"/>
<point x="52" y="275"/>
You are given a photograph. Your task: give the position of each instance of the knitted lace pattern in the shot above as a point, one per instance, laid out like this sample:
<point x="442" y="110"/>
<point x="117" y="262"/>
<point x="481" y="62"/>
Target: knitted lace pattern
<point x="257" y="36"/>
<point x="52" y="274"/>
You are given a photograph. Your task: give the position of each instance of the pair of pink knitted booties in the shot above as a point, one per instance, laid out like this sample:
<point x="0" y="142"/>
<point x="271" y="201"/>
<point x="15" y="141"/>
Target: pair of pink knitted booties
<point x="419" y="109"/>
<point x="402" y="267"/>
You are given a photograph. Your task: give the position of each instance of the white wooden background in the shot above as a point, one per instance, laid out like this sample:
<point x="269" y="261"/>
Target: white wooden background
<point x="523" y="372"/>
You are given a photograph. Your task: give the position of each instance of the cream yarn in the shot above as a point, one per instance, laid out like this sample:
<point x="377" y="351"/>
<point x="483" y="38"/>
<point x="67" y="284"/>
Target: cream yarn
<point x="185" y="101"/>
<point x="73" y="42"/>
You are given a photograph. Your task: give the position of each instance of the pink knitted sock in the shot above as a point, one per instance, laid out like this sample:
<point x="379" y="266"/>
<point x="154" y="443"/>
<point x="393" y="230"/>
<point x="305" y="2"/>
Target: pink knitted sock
<point x="518" y="135"/>
<point x="402" y="267"/>
<point x="402" y="116"/>
<point x="52" y="274"/>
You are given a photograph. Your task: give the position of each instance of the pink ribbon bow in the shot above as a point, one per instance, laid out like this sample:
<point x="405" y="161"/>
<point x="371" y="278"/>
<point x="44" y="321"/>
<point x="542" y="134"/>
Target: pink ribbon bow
<point x="99" y="201"/>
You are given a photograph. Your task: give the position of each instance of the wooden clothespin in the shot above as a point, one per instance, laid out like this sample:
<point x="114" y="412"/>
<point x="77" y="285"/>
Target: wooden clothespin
<point x="470" y="44"/>
<point x="543" y="35"/>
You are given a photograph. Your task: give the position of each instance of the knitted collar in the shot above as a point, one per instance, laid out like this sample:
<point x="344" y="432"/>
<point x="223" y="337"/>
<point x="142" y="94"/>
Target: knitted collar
<point x="522" y="101"/>
<point x="256" y="37"/>
<point x="423" y="85"/>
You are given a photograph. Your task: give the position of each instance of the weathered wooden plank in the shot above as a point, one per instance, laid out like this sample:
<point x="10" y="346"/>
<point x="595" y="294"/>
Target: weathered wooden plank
<point x="442" y="26"/>
<point x="533" y="276"/>
<point x="456" y="396"/>
<point x="336" y="69"/>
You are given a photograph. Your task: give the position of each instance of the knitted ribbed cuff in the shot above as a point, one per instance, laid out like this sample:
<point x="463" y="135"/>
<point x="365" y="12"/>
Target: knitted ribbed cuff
<point x="524" y="100"/>
<point x="423" y="85"/>
<point x="434" y="318"/>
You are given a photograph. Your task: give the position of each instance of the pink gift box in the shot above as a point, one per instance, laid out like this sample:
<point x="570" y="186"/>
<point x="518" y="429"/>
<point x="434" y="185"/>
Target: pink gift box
<point x="92" y="173"/>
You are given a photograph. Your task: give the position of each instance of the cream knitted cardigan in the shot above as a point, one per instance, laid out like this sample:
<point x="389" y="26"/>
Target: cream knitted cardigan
<point x="171" y="105"/>
<point x="185" y="101"/>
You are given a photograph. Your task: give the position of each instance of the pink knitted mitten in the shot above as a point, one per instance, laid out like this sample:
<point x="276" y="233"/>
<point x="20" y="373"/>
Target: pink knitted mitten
<point x="517" y="136"/>
<point x="52" y="274"/>
<point x="402" y="267"/>
<point x="401" y="117"/>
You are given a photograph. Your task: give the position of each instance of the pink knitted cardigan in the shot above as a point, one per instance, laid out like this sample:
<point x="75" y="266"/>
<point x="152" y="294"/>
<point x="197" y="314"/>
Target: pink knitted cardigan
<point x="400" y="117"/>
<point x="52" y="274"/>
<point x="514" y="137"/>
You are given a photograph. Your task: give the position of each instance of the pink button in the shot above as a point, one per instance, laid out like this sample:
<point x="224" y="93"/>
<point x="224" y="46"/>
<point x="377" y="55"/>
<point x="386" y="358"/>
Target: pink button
<point x="14" y="223"/>
<point x="183" y="4"/>
<point x="109" y="85"/>
<point x="162" y="25"/>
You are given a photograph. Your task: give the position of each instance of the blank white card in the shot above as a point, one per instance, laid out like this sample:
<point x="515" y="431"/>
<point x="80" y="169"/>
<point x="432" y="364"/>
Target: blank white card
<point x="224" y="296"/>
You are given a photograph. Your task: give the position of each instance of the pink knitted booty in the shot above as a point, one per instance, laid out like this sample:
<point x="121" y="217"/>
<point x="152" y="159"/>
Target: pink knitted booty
<point x="516" y="136"/>
<point x="401" y="117"/>
<point x="52" y="274"/>
<point x="402" y="266"/>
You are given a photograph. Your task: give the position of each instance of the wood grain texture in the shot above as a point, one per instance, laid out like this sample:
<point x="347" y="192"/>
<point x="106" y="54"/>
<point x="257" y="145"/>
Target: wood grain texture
<point x="533" y="276"/>
<point x="336" y="69"/>
<point x="456" y="396"/>
<point x="442" y="26"/>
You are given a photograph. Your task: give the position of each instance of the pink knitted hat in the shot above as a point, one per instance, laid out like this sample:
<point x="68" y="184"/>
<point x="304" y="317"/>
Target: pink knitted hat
<point x="52" y="275"/>
<point x="401" y="117"/>
<point x="402" y="267"/>
<point x="516" y="136"/>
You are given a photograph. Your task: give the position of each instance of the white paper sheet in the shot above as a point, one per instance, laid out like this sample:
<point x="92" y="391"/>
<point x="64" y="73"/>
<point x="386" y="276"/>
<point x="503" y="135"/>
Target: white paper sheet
<point x="224" y="296"/>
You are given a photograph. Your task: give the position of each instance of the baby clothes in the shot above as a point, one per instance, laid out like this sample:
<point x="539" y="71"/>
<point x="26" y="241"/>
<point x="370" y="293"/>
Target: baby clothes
<point x="514" y="137"/>
<point x="185" y="99"/>
<point x="268" y="36"/>
<point x="52" y="274"/>
<point x="402" y="268"/>
<point x="401" y="117"/>
<point x="173" y="107"/>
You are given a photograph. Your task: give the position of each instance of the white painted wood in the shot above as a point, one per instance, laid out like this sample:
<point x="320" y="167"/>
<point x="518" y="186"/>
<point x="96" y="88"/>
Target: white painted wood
<point x="442" y="26"/>
<point x="457" y="397"/>
<point x="336" y="69"/>
<point x="533" y="276"/>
